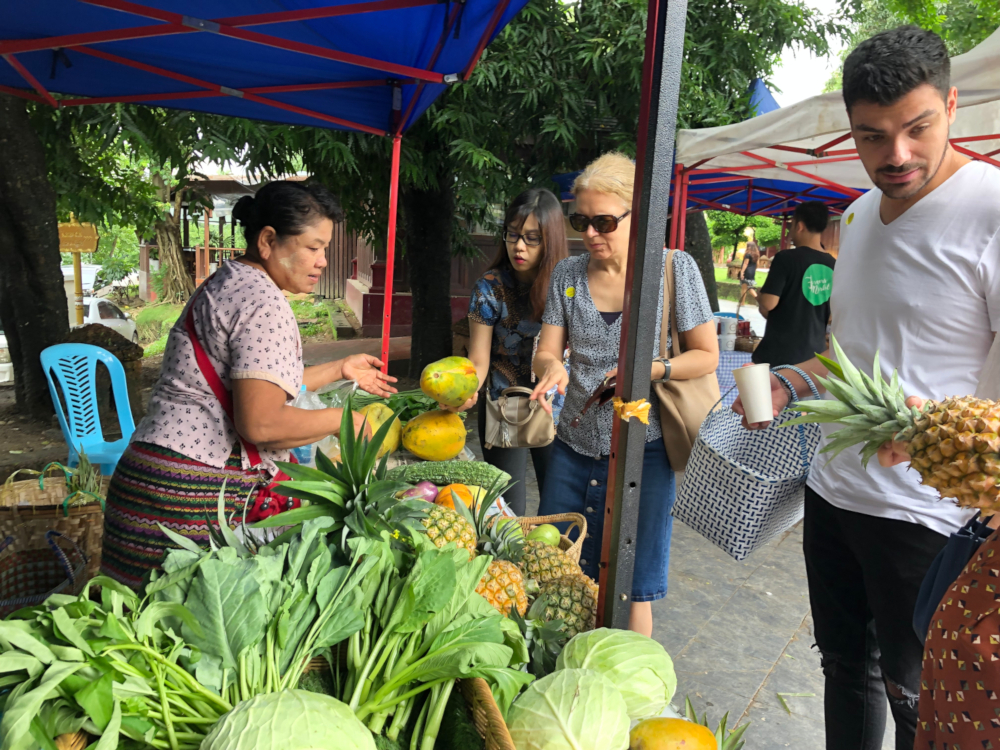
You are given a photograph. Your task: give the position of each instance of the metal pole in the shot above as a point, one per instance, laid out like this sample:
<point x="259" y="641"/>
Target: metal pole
<point x="661" y="77"/>
<point x="390" y="250"/>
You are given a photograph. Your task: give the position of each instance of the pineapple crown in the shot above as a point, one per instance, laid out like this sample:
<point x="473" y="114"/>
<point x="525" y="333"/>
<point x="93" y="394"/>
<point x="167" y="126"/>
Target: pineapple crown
<point x="869" y="410"/>
<point x="502" y="538"/>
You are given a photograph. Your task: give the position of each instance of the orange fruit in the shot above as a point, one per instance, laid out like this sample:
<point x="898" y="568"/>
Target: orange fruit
<point x="447" y="495"/>
<point x="671" y="734"/>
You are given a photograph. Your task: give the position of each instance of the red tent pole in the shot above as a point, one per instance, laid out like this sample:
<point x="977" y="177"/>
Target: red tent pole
<point x="682" y="224"/>
<point x="678" y="206"/>
<point x="390" y="251"/>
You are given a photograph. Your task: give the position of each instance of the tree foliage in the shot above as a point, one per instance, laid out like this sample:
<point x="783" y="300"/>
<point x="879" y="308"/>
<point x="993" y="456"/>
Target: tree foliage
<point x="729" y="229"/>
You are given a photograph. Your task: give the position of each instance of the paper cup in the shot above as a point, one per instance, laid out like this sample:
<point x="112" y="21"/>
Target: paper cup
<point x="727" y="342"/>
<point x="727" y="325"/>
<point x="754" y="384"/>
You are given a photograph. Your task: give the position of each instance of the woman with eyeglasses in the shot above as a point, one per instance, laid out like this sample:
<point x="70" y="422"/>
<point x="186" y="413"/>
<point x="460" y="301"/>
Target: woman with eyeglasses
<point x="505" y="314"/>
<point x="584" y="308"/>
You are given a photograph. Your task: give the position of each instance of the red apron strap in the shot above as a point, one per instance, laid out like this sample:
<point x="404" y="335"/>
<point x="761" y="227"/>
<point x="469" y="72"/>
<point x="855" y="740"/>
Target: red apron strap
<point x="215" y="382"/>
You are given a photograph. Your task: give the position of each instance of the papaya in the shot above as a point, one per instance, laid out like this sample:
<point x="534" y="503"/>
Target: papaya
<point x="450" y="381"/>
<point x="671" y="734"/>
<point x="447" y="496"/>
<point x="377" y="415"/>
<point x="435" y="435"/>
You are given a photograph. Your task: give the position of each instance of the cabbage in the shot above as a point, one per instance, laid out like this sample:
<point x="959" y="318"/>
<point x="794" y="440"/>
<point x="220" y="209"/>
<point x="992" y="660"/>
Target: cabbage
<point x="575" y="709"/>
<point x="638" y="666"/>
<point x="290" y="720"/>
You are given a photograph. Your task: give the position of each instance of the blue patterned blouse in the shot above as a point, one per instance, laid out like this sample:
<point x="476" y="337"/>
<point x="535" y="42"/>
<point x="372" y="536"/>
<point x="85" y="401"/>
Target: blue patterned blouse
<point x="500" y="300"/>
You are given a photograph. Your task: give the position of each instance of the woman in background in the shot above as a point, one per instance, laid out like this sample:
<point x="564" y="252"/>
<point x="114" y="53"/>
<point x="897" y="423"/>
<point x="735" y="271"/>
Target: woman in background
<point x="505" y="313"/>
<point x="748" y="272"/>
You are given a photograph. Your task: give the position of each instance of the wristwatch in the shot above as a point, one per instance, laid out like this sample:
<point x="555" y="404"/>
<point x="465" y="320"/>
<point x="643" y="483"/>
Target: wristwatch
<point x="666" y="369"/>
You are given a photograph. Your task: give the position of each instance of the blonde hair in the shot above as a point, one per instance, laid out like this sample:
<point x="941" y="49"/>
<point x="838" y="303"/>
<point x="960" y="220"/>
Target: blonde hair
<point x="612" y="173"/>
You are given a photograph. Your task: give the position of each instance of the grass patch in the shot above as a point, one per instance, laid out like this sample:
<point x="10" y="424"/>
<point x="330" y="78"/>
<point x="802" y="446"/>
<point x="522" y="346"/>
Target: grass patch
<point x="731" y="290"/>
<point x="315" y="317"/>
<point x="153" y="322"/>
<point x="156" y="348"/>
<point x="721" y="278"/>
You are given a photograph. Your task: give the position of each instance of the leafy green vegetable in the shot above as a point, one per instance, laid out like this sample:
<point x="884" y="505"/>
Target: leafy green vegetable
<point x="638" y="666"/>
<point x="290" y="720"/>
<point x="572" y="709"/>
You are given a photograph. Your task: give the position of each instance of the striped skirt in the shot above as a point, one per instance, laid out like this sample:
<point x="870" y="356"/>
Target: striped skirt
<point x="154" y="485"/>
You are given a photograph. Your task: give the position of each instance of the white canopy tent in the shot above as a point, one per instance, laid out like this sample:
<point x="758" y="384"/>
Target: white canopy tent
<point x="810" y="143"/>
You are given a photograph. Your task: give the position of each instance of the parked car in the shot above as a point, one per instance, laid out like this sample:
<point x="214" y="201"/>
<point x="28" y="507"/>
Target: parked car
<point x="6" y="368"/>
<point x="106" y="313"/>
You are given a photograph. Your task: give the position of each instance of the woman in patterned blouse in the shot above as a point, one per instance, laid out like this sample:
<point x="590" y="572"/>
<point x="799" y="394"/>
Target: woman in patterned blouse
<point x="584" y="308"/>
<point x="505" y="314"/>
<point x="189" y="443"/>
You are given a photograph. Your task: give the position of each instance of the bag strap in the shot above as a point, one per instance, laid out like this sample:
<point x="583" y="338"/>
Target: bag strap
<point x="214" y="381"/>
<point x="669" y="314"/>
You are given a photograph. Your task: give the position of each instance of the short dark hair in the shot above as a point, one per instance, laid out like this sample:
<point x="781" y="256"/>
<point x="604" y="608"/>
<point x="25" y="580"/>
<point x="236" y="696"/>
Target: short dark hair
<point x="891" y="64"/>
<point x="813" y="214"/>
<point x="287" y="207"/>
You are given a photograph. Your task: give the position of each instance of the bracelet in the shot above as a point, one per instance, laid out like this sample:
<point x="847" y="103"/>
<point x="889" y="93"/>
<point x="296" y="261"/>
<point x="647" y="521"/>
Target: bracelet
<point x="787" y="385"/>
<point x="801" y="374"/>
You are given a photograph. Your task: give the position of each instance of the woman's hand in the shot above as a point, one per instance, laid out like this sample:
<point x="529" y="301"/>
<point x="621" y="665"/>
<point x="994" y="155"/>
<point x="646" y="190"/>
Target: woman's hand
<point x="555" y="375"/>
<point x="464" y="407"/>
<point x="779" y="400"/>
<point x="893" y="452"/>
<point x="364" y="370"/>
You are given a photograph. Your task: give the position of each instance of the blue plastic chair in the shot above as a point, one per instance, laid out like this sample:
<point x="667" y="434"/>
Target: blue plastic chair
<point x="74" y="367"/>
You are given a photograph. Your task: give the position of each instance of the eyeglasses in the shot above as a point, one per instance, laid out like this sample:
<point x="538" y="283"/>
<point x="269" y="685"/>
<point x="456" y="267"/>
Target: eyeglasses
<point x="603" y="224"/>
<point x="531" y="240"/>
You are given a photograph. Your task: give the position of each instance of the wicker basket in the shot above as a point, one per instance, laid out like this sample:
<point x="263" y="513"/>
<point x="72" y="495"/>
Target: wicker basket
<point x="27" y="511"/>
<point x="572" y="549"/>
<point x="747" y="343"/>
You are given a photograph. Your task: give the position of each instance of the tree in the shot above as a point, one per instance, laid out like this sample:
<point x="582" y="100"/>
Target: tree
<point x="33" y="306"/>
<point x="729" y="230"/>
<point x="558" y="87"/>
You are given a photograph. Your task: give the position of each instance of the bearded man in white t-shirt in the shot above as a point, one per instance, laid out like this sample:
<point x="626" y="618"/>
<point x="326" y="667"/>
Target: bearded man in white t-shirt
<point x="918" y="279"/>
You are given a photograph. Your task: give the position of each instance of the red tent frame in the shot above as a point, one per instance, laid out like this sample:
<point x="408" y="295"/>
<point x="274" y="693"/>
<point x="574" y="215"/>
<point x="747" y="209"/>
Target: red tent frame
<point x="169" y="23"/>
<point x="683" y="193"/>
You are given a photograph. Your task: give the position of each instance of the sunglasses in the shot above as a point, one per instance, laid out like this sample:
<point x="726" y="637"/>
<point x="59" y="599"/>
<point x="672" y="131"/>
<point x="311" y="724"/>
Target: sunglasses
<point x="604" y="393"/>
<point x="603" y="224"/>
<point x="531" y="240"/>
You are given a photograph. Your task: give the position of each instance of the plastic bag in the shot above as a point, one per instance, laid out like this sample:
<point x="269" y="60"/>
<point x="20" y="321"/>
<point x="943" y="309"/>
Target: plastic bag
<point x="306" y="454"/>
<point x="335" y="394"/>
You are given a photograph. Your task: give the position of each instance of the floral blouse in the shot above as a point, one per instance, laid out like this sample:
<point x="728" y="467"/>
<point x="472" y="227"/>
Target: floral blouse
<point x="249" y="331"/>
<point x="594" y="345"/>
<point x="500" y="300"/>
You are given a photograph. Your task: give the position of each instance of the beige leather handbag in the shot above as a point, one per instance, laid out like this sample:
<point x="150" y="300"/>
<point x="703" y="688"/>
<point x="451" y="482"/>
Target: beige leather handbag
<point x="684" y="404"/>
<point x="515" y="421"/>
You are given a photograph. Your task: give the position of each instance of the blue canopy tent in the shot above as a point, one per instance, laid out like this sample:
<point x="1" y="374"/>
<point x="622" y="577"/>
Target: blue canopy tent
<point x="373" y="66"/>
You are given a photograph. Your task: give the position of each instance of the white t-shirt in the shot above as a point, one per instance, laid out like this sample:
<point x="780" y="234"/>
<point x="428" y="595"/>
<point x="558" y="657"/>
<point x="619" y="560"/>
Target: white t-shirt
<point x="925" y="292"/>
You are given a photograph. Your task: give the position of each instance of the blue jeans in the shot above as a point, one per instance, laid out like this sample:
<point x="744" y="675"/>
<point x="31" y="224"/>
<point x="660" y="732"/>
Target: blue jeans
<point x="578" y="484"/>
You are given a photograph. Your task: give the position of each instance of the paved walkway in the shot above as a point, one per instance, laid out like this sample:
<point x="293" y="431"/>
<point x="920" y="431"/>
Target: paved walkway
<point x="314" y="353"/>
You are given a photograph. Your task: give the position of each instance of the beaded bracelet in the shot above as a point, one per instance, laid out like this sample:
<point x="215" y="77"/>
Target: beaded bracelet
<point x="801" y="373"/>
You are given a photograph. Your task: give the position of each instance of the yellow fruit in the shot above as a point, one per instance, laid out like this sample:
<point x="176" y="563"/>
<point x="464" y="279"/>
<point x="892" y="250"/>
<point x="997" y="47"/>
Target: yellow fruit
<point x="445" y="526"/>
<point x="572" y="600"/>
<point x="447" y="496"/>
<point x="378" y="415"/>
<point x="435" y="435"/>
<point x="450" y="381"/>
<point x="502" y="585"/>
<point x="543" y="563"/>
<point x="671" y="734"/>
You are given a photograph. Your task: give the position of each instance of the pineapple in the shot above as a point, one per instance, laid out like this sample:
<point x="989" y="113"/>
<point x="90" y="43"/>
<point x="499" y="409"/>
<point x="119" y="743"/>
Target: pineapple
<point x="543" y="563"/>
<point x="953" y="444"/>
<point x="573" y="600"/>
<point x="503" y="587"/>
<point x="445" y="525"/>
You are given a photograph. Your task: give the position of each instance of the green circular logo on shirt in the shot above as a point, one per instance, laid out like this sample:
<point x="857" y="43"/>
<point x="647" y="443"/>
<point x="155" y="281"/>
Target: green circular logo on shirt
<point x="817" y="284"/>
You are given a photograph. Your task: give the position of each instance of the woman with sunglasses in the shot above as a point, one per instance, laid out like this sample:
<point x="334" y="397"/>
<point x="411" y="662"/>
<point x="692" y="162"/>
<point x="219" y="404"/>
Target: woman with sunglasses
<point x="584" y="308"/>
<point x="505" y="314"/>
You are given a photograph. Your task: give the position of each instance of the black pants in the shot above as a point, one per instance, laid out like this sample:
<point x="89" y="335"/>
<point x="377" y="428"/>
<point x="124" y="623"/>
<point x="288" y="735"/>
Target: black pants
<point x="515" y="462"/>
<point x="864" y="575"/>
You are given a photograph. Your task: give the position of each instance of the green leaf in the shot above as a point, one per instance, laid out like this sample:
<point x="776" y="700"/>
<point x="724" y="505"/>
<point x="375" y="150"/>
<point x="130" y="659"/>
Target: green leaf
<point x="181" y="541"/>
<point x="67" y="629"/>
<point x="96" y="699"/>
<point x="109" y="737"/>
<point x="230" y="609"/>
<point x="297" y="516"/>
<point x="157" y="611"/>
<point x="505" y="684"/>
<point x="14" y="661"/>
<point x="22" y="640"/>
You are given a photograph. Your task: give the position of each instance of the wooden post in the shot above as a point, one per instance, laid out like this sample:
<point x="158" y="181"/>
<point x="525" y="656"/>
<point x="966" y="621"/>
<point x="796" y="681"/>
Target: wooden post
<point x="77" y="239"/>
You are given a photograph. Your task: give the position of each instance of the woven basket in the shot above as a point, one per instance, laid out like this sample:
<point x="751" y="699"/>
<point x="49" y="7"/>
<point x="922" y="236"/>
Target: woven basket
<point x="27" y="511"/>
<point x="572" y="549"/>
<point x="747" y="344"/>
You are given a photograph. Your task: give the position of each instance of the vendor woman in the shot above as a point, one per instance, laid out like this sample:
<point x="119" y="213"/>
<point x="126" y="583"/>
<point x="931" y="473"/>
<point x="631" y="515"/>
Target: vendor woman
<point x="237" y="340"/>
